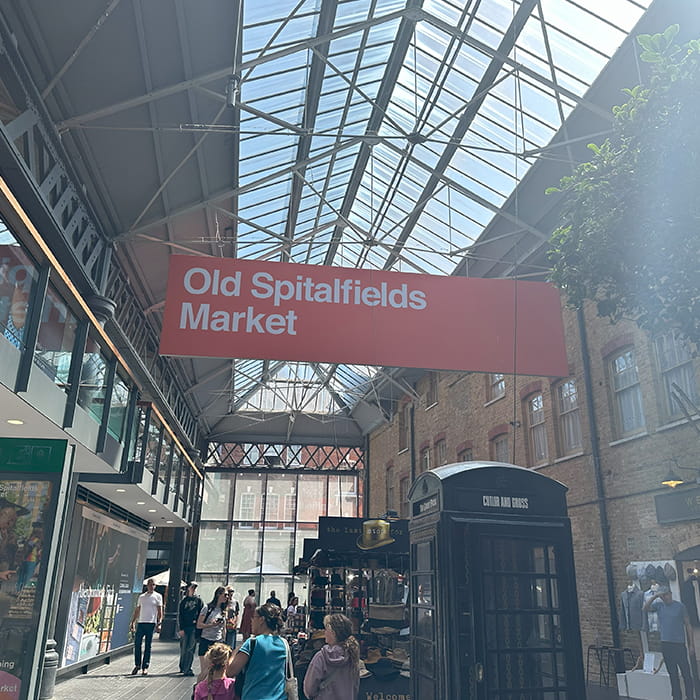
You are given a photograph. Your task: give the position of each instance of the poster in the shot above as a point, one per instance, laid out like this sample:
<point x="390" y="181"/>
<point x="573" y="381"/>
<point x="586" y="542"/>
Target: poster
<point x="30" y="473"/>
<point x="108" y="580"/>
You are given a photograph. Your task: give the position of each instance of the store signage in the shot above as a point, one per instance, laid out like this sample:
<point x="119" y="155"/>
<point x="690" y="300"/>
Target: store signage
<point x="219" y="307"/>
<point x="510" y="502"/>
<point x="32" y="493"/>
<point x="428" y="505"/>
<point x="361" y="535"/>
<point x="678" y="505"/>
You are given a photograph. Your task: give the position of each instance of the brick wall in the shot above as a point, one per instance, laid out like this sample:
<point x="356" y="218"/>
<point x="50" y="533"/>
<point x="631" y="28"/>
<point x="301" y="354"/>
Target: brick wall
<point x="631" y="468"/>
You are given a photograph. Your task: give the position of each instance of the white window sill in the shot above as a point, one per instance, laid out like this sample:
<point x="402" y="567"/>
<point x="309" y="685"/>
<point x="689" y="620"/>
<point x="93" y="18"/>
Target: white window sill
<point x="675" y="424"/>
<point x="622" y="441"/>
<point x="492" y="401"/>
<point x="566" y="458"/>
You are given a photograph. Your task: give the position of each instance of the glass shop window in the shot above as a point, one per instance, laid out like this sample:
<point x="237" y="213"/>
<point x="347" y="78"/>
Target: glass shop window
<point x="93" y="380"/>
<point x="17" y="277"/>
<point x="118" y="407"/>
<point x="56" y="339"/>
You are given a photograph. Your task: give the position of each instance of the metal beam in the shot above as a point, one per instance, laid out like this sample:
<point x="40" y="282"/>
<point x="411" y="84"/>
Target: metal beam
<point x="313" y="95"/>
<point x="489" y="77"/>
<point x="220" y="73"/>
<point x="276" y="175"/>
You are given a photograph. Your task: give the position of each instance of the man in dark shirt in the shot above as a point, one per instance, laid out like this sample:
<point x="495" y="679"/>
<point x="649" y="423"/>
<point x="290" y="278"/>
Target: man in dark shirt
<point x="675" y="631"/>
<point x="274" y="599"/>
<point x="188" y="612"/>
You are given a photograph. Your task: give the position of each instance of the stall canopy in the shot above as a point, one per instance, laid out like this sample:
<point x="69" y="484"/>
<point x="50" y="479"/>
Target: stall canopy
<point x="162" y="579"/>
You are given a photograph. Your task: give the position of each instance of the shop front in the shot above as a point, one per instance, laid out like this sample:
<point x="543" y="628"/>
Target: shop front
<point x="649" y="678"/>
<point x="360" y="569"/>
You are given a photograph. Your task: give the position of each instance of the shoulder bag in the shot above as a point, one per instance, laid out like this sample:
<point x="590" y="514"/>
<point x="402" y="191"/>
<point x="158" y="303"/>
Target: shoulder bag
<point x="291" y="686"/>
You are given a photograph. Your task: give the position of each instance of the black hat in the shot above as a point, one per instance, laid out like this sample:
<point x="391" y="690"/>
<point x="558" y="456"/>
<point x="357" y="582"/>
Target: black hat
<point x="20" y="510"/>
<point x="384" y="668"/>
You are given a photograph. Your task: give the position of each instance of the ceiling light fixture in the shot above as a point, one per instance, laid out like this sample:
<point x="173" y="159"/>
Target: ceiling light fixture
<point x="121" y="490"/>
<point x="15" y="421"/>
<point x="140" y="503"/>
<point x="152" y="510"/>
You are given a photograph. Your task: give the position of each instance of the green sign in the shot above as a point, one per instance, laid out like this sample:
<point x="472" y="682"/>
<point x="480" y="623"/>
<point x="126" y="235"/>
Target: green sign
<point x="678" y="505"/>
<point x="32" y="455"/>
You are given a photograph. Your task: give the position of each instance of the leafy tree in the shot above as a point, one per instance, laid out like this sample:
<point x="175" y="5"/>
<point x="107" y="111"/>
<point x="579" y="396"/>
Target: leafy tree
<point x="630" y="232"/>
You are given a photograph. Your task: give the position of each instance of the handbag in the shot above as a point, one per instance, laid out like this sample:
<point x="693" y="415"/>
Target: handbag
<point x="240" y="676"/>
<point x="291" y="687"/>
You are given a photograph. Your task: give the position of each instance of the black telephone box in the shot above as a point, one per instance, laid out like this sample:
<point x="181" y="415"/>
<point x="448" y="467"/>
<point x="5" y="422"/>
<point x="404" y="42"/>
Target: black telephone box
<point x="494" y="612"/>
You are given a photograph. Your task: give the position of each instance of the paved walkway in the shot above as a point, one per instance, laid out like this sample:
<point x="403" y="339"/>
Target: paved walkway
<point x="114" y="681"/>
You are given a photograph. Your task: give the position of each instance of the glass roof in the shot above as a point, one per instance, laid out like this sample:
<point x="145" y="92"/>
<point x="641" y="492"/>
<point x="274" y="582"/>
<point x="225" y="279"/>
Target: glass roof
<point x="388" y="134"/>
<point x="383" y="134"/>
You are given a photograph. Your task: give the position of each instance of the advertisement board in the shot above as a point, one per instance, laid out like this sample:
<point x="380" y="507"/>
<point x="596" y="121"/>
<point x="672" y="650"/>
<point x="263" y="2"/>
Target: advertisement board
<point x="31" y="474"/>
<point x="221" y="307"/>
<point x="108" y="580"/>
<point x="363" y="535"/>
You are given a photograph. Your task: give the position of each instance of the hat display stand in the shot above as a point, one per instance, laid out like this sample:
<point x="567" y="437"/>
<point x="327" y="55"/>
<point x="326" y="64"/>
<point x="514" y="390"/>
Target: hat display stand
<point x="372" y="594"/>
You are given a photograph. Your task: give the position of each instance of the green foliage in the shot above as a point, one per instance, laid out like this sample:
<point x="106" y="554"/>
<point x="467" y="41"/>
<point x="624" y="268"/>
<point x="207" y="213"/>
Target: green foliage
<point x="630" y="232"/>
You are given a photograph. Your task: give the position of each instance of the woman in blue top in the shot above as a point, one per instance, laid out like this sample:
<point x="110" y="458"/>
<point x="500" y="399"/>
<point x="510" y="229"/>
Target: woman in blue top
<point x="265" y="666"/>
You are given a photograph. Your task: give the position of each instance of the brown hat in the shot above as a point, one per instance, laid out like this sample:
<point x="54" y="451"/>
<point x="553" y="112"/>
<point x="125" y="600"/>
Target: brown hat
<point x="373" y="655"/>
<point x="19" y="510"/>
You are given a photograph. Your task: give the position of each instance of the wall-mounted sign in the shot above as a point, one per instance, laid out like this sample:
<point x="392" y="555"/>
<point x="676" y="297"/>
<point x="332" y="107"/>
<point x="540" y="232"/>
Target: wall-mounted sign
<point x="360" y="535"/>
<point x="220" y="307"/>
<point x="678" y="505"/>
<point x="31" y="474"/>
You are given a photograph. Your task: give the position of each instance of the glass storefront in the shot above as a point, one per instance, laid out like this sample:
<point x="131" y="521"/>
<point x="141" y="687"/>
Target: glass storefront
<point x="254" y="524"/>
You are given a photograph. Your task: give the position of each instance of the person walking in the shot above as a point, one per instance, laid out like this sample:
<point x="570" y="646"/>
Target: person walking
<point x="334" y="673"/>
<point x="675" y="629"/>
<point x="187" y="614"/>
<point x="146" y="620"/>
<point x="248" y="612"/>
<point x="212" y="622"/>
<point x="264" y="657"/>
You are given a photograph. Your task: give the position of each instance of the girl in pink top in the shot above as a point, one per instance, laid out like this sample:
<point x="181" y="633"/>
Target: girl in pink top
<point x="217" y="685"/>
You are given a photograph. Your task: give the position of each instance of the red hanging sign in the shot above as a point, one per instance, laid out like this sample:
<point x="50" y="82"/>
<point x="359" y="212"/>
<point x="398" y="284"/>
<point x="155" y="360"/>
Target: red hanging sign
<point x="219" y="307"/>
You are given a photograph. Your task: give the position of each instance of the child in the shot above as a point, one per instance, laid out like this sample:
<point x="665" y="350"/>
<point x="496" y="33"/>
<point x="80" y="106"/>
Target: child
<point x="217" y="685"/>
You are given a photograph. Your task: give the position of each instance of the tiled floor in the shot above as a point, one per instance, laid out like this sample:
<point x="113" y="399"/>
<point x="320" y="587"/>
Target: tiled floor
<point x="114" y="681"/>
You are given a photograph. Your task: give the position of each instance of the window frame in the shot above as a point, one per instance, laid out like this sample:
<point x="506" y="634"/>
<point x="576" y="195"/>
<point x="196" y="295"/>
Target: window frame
<point x="496" y="446"/>
<point x="667" y="374"/>
<point x="431" y="394"/>
<point x="496" y="386"/>
<point x="536" y="429"/>
<point x="630" y="389"/>
<point x="425" y="459"/>
<point x="568" y="415"/>
<point x="440" y="452"/>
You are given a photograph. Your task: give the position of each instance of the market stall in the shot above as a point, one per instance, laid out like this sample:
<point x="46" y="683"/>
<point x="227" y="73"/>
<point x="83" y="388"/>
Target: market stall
<point x="360" y="569"/>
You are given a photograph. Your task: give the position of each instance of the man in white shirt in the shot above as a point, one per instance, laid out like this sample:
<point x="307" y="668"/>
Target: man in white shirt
<point x="149" y="614"/>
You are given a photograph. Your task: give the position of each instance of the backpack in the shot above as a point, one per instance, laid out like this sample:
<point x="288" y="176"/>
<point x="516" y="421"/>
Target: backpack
<point x="197" y="631"/>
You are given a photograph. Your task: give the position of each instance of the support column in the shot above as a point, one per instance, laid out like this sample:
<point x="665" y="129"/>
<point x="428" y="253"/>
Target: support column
<point x="168" y="630"/>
